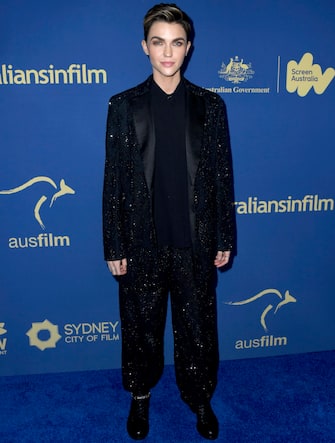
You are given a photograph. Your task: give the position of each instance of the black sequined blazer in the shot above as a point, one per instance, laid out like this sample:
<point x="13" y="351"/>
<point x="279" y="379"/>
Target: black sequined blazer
<point x="129" y="168"/>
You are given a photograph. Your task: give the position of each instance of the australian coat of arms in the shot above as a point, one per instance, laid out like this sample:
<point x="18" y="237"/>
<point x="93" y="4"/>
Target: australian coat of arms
<point x="236" y="71"/>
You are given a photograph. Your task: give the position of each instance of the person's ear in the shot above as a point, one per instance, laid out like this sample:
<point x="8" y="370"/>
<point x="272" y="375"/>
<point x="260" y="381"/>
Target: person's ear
<point x="189" y="44"/>
<point x="145" y="47"/>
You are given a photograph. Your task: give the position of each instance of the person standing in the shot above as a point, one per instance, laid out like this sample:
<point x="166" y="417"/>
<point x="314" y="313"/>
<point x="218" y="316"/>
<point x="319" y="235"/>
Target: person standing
<point x="168" y="221"/>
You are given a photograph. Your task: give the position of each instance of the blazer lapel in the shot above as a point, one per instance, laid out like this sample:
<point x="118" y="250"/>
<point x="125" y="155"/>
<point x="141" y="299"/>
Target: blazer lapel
<point x="145" y="133"/>
<point x="194" y="133"/>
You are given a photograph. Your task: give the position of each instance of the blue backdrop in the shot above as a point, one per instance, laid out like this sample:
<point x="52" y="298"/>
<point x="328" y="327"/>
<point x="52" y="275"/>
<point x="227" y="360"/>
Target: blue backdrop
<point x="272" y="62"/>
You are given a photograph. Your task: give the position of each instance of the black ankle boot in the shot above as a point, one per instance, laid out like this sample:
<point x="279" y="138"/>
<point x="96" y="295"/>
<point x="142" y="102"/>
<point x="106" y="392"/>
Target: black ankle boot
<point x="138" y="419"/>
<point x="207" y="423"/>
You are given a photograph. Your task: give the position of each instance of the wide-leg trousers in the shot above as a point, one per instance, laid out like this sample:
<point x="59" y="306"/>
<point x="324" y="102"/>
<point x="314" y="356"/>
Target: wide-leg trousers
<point x="143" y="295"/>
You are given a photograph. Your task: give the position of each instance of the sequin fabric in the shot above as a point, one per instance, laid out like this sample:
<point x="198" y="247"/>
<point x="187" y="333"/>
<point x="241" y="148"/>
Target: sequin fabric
<point x="127" y="202"/>
<point x="143" y="307"/>
<point x="129" y="232"/>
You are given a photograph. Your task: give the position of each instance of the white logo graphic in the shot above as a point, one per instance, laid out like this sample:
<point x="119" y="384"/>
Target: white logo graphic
<point x="283" y="300"/>
<point x="236" y="71"/>
<point x="36" y="328"/>
<point x="63" y="190"/>
<point x="305" y="75"/>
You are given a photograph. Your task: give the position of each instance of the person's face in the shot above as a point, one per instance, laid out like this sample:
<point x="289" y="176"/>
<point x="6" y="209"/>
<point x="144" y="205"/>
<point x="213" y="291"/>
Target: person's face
<point x="166" y="46"/>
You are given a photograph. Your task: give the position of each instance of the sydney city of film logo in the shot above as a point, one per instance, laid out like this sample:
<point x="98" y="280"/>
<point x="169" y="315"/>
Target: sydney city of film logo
<point x="43" y="239"/>
<point x="266" y="340"/>
<point x="45" y="335"/>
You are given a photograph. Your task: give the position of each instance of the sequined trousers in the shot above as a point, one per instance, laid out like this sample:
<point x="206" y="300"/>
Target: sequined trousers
<point x="144" y="291"/>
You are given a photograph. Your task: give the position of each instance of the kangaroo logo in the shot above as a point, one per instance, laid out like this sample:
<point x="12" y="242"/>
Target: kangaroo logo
<point x="63" y="190"/>
<point x="283" y="300"/>
<point x="236" y="71"/>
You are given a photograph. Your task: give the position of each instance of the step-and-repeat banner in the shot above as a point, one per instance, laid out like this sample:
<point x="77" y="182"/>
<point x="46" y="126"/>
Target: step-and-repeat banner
<point x="273" y="64"/>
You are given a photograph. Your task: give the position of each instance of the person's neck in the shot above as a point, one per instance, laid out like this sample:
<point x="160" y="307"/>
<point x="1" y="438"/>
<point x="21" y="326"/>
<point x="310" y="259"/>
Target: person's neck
<point x="167" y="84"/>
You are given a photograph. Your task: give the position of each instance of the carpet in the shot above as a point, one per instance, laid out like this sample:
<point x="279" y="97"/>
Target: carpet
<point x="287" y="399"/>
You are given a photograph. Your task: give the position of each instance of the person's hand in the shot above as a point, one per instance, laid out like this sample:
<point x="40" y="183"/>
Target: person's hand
<point x="117" y="267"/>
<point x="222" y="258"/>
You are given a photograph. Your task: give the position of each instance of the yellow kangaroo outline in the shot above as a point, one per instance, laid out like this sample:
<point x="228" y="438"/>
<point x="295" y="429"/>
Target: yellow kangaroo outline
<point x="63" y="190"/>
<point x="288" y="298"/>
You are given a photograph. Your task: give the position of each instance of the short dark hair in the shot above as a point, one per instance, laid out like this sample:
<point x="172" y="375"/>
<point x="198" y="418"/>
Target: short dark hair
<point x="169" y="13"/>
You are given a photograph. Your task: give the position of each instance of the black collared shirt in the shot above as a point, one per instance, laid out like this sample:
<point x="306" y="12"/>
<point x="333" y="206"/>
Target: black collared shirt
<point x="171" y="213"/>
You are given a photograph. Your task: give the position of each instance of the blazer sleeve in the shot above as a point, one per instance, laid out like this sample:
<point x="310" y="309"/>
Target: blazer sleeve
<point x="226" y="225"/>
<point x="112" y="209"/>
